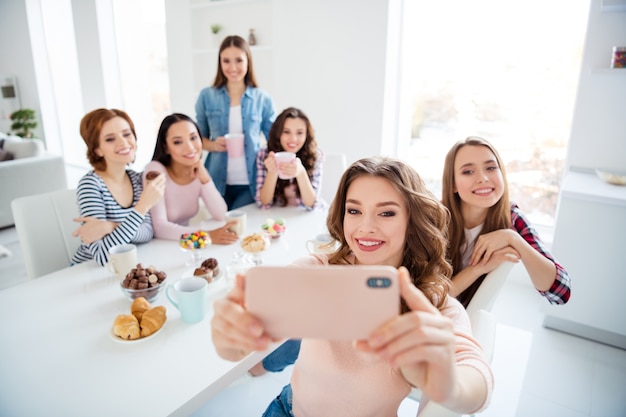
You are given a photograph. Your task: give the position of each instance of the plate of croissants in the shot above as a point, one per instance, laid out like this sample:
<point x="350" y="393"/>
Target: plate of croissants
<point x="143" y="323"/>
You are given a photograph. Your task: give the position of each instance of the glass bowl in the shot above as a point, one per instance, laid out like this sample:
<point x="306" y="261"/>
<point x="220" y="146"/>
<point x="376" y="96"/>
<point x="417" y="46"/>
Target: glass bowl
<point x="255" y="244"/>
<point x="150" y="294"/>
<point x="274" y="228"/>
<point x="194" y="243"/>
<point x="612" y="177"/>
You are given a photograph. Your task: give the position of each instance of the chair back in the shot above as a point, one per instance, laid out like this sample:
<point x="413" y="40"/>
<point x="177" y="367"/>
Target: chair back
<point x="486" y="295"/>
<point x="484" y="331"/>
<point x="334" y="166"/>
<point x="483" y="323"/>
<point x="44" y="225"/>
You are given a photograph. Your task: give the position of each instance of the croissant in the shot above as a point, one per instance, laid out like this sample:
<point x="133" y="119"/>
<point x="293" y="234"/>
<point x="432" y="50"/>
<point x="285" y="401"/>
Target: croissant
<point x="139" y="306"/>
<point x="152" y="320"/>
<point x="126" y="326"/>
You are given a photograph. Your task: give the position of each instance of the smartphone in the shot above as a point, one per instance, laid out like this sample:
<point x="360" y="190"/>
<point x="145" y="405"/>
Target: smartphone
<point x="332" y="302"/>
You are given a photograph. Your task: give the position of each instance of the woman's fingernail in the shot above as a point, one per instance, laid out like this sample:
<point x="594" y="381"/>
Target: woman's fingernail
<point x="376" y="340"/>
<point x="255" y="330"/>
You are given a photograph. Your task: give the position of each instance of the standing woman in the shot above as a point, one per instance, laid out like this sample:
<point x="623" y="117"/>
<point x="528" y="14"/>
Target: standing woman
<point x="112" y="201"/>
<point x="234" y="104"/>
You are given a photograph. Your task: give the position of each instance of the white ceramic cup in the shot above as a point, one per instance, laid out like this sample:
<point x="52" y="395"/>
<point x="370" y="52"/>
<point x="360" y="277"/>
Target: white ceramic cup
<point x="283" y="158"/>
<point x="234" y="145"/>
<point x="241" y="217"/>
<point x="322" y="243"/>
<point x="189" y="296"/>
<point x="122" y="258"/>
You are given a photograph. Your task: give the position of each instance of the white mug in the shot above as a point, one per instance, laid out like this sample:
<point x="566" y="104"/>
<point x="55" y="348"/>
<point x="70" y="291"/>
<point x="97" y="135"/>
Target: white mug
<point x="323" y="243"/>
<point x="240" y="216"/>
<point x="122" y="258"/>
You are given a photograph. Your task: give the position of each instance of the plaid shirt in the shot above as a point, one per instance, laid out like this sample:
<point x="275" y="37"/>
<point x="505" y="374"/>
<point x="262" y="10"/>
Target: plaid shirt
<point x="315" y="178"/>
<point x="559" y="292"/>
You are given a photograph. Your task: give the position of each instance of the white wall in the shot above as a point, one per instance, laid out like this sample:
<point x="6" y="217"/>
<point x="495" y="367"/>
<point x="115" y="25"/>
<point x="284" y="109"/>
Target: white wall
<point x="330" y="62"/>
<point x="328" y="57"/>
<point x="598" y="138"/>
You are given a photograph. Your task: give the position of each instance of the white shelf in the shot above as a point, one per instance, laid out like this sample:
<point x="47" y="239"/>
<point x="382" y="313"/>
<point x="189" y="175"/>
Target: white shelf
<point x="218" y="3"/>
<point x="613" y="6"/>
<point x="604" y="70"/>
<point x="588" y="187"/>
<point x="253" y="49"/>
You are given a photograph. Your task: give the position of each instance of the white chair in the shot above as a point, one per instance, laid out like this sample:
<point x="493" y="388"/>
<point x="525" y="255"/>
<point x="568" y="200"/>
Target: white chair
<point x="486" y="295"/>
<point x="483" y="323"/>
<point x="334" y="166"/>
<point x="44" y="225"/>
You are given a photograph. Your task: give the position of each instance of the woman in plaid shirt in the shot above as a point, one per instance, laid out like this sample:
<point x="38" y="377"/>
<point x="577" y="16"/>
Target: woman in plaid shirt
<point x="290" y="132"/>
<point x="486" y="229"/>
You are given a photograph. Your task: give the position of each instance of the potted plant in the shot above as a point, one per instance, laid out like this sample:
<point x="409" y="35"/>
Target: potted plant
<point x="23" y="122"/>
<point x="215" y="28"/>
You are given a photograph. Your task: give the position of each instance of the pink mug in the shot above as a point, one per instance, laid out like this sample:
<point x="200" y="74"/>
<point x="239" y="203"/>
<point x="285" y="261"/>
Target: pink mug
<point x="234" y="145"/>
<point x="281" y="158"/>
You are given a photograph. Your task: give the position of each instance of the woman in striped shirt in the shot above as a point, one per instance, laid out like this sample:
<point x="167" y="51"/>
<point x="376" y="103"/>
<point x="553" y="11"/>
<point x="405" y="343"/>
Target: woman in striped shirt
<point x="112" y="202"/>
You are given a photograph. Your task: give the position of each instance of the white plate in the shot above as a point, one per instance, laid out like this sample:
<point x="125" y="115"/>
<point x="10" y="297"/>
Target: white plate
<point x="141" y="339"/>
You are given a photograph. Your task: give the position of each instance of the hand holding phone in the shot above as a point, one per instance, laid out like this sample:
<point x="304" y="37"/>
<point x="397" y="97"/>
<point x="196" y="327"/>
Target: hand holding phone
<point x="336" y="302"/>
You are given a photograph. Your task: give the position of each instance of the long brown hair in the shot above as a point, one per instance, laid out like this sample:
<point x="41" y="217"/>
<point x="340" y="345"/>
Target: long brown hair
<point x="160" y="147"/>
<point x="237" y="42"/>
<point x="307" y="154"/>
<point x="425" y="242"/>
<point x="498" y="216"/>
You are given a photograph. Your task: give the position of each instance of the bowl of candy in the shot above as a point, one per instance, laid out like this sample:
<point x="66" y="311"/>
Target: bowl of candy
<point x="194" y="243"/>
<point x="143" y="282"/>
<point x="274" y="228"/>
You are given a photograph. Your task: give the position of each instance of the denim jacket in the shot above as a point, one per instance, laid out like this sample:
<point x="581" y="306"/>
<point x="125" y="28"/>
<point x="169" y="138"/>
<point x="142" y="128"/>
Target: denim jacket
<point x="212" y="112"/>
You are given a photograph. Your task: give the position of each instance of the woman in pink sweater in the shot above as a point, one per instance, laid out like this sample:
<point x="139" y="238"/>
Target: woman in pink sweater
<point x="382" y="215"/>
<point x="178" y="156"/>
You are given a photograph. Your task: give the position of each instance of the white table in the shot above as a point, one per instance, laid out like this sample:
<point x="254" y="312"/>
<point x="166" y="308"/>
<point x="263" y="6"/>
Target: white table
<point x="57" y="356"/>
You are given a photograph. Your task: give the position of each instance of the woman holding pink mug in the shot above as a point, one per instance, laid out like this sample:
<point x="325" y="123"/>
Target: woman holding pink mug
<point x="289" y="170"/>
<point x="234" y="105"/>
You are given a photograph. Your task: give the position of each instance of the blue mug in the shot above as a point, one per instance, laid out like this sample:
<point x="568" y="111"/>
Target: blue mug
<point x="189" y="296"/>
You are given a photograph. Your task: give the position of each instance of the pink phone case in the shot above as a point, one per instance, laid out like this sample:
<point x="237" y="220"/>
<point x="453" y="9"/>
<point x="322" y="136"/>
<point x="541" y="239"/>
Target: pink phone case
<point x="327" y="302"/>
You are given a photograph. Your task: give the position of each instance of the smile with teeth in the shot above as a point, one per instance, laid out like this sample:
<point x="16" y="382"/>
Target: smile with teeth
<point x="483" y="191"/>
<point x="369" y="243"/>
<point x="124" y="151"/>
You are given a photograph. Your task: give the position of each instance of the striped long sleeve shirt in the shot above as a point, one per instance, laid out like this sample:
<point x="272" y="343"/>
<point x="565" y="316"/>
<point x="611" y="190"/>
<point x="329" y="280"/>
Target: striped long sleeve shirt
<point x="95" y="200"/>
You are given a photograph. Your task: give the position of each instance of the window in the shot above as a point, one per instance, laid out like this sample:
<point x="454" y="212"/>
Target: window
<point x="128" y="39"/>
<point x="141" y="47"/>
<point x="506" y="71"/>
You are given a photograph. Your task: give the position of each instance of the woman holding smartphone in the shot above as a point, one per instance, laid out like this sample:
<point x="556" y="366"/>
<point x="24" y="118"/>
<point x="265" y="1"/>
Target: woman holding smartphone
<point x="382" y="214"/>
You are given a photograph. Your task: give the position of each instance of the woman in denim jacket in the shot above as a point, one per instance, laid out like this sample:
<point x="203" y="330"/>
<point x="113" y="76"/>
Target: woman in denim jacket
<point x="234" y="104"/>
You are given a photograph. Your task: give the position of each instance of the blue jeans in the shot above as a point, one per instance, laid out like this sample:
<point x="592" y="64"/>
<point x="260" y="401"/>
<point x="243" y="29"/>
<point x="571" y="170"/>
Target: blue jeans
<point x="238" y="196"/>
<point x="286" y="354"/>
<point x="282" y="405"/>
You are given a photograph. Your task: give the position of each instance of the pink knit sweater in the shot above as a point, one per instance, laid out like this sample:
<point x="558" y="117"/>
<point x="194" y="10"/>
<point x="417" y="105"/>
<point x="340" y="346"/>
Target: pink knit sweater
<point x="171" y="215"/>
<point x="330" y="378"/>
